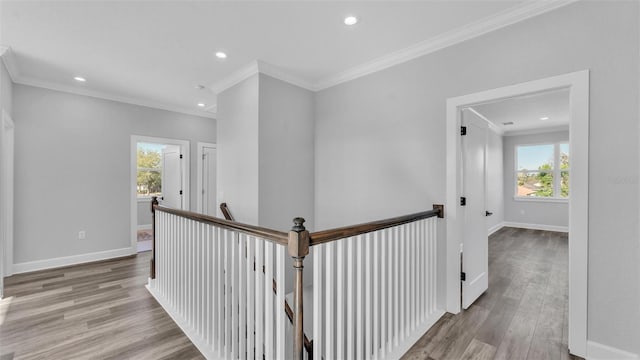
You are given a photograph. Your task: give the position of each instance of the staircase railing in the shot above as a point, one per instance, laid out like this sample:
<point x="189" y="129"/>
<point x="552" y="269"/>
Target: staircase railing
<point x="374" y="284"/>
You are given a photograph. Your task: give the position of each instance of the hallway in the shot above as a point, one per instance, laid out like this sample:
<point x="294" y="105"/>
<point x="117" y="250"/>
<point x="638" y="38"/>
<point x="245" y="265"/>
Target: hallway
<point x="523" y="315"/>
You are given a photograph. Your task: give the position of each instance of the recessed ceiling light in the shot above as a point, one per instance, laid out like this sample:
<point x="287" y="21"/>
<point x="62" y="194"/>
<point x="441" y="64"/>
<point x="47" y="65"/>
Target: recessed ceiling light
<point x="544" y="118"/>
<point x="202" y="105"/>
<point x="221" y="55"/>
<point x="79" y="79"/>
<point x="350" y="20"/>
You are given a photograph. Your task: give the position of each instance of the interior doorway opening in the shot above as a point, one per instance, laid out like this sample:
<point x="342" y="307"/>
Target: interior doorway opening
<point x="576" y="84"/>
<point x="160" y="168"/>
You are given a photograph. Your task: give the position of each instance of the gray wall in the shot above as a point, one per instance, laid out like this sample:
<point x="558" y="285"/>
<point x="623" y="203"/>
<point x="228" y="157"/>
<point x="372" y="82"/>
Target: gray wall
<point x="144" y="212"/>
<point x="530" y="212"/>
<point x="380" y="139"/>
<point x="73" y="169"/>
<point x="286" y="154"/>
<point x="238" y="150"/>
<point x="495" y="180"/>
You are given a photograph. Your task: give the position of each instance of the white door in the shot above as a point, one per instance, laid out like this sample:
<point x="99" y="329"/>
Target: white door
<point x="209" y="188"/>
<point x="475" y="244"/>
<point x="172" y="192"/>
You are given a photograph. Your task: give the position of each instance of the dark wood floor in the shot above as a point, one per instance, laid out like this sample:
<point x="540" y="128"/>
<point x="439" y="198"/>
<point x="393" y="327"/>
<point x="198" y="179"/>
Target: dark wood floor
<point x="523" y="315"/>
<point x="94" y="311"/>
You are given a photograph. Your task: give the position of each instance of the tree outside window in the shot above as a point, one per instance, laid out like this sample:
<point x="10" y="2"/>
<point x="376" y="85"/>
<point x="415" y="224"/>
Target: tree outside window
<point x="536" y="174"/>
<point x="149" y="177"/>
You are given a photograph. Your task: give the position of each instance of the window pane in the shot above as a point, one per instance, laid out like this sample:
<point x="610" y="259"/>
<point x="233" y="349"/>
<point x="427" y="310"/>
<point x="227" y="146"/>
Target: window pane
<point x="535" y="157"/>
<point x="564" y="156"/>
<point x="564" y="184"/>
<point x="148" y="182"/>
<point x="535" y="184"/>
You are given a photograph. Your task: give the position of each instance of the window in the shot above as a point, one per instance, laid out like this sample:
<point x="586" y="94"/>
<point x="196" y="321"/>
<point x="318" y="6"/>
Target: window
<point x="542" y="171"/>
<point x="149" y="178"/>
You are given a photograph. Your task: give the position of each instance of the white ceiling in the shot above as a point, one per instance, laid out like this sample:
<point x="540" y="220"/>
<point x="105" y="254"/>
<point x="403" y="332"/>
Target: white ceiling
<point x="526" y="112"/>
<point x="155" y="53"/>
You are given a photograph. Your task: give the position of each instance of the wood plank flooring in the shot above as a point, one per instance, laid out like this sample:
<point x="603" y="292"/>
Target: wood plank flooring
<point x="93" y="311"/>
<point x="523" y="315"/>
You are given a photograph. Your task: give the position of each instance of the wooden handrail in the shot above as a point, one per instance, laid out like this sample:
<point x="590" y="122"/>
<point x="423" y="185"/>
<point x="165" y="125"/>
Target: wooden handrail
<point x="226" y="212"/>
<point x="325" y="236"/>
<point x="275" y="236"/>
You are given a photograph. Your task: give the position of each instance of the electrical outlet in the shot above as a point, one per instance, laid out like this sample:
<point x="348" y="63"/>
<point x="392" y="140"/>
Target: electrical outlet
<point x="82" y="235"/>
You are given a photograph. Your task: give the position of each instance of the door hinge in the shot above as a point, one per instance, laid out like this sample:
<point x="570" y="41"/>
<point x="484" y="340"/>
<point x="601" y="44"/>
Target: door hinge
<point x="463" y="130"/>
<point x="180" y="192"/>
<point x="463" y="201"/>
<point x="463" y="276"/>
<point x="180" y="156"/>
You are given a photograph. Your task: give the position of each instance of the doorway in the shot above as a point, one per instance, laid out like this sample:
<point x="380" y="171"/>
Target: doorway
<point x="159" y="167"/>
<point x="207" y="179"/>
<point x="577" y="84"/>
<point x="6" y="197"/>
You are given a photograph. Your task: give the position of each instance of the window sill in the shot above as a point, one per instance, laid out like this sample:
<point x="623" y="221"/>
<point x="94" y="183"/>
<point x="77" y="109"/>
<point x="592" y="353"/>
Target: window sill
<point x="540" y="199"/>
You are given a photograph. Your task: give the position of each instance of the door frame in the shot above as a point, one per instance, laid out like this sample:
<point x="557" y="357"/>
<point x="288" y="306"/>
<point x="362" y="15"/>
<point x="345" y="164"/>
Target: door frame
<point x="199" y="152"/>
<point x="578" y="85"/>
<point x="184" y="149"/>
<point x="7" y="142"/>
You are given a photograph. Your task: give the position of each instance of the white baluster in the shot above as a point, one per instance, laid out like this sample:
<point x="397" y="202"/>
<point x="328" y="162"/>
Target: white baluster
<point x="281" y="316"/>
<point x="268" y="296"/>
<point x="242" y="289"/>
<point x="340" y="299"/>
<point x="360" y="297"/>
<point x="351" y="325"/>
<point x="376" y="293"/>
<point x="251" y="295"/>
<point x="329" y="325"/>
<point x="368" y="295"/>
<point x="259" y="291"/>
<point x="318" y="301"/>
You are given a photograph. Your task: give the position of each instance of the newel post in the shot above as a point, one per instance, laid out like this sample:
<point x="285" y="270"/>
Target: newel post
<point x="298" y="249"/>
<point x="154" y="203"/>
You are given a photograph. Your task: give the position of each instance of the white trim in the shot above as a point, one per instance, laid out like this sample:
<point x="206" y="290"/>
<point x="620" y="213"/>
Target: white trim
<point x="596" y="351"/>
<point x="578" y="85"/>
<point x="188" y="330"/>
<point x="564" y="229"/>
<point x="493" y="127"/>
<point x="71" y="260"/>
<point x="416" y="334"/>
<point x="259" y="67"/>
<point x="143" y="199"/>
<point x="543" y="130"/>
<point x="199" y="152"/>
<point x="83" y="91"/>
<point x="185" y="149"/>
<point x="235" y="78"/>
<point x="495" y="228"/>
<point x="9" y="62"/>
<point x="144" y="227"/>
<point x="540" y="199"/>
<point x="7" y="151"/>
<point x="497" y="21"/>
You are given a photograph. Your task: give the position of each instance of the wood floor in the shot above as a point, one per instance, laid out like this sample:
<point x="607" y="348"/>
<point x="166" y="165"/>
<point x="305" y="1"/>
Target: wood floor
<point x="103" y="311"/>
<point x="94" y="311"/>
<point x="523" y="315"/>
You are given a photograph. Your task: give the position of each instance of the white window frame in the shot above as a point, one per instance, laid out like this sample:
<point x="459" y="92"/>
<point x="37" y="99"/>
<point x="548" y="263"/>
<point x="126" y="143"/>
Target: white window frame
<point x="557" y="172"/>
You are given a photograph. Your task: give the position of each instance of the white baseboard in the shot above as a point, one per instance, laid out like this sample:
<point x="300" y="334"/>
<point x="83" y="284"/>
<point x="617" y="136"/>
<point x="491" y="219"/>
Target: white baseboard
<point x="144" y="227"/>
<point x="596" y="351"/>
<point x="188" y="330"/>
<point x="71" y="260"/>
<point x="496" y="227"/>
<point x="537" y="226"/>
<point x="409" y="341"/>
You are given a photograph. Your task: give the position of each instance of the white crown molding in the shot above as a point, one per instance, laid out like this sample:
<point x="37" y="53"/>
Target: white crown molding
<point x="505" y="18"/>
<point x="259" y="67"/>
<point x="235" y="78"/>
<point x="9" y="62"/>
<point x="277" y="73"/>
<point x="106" y="96"/>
